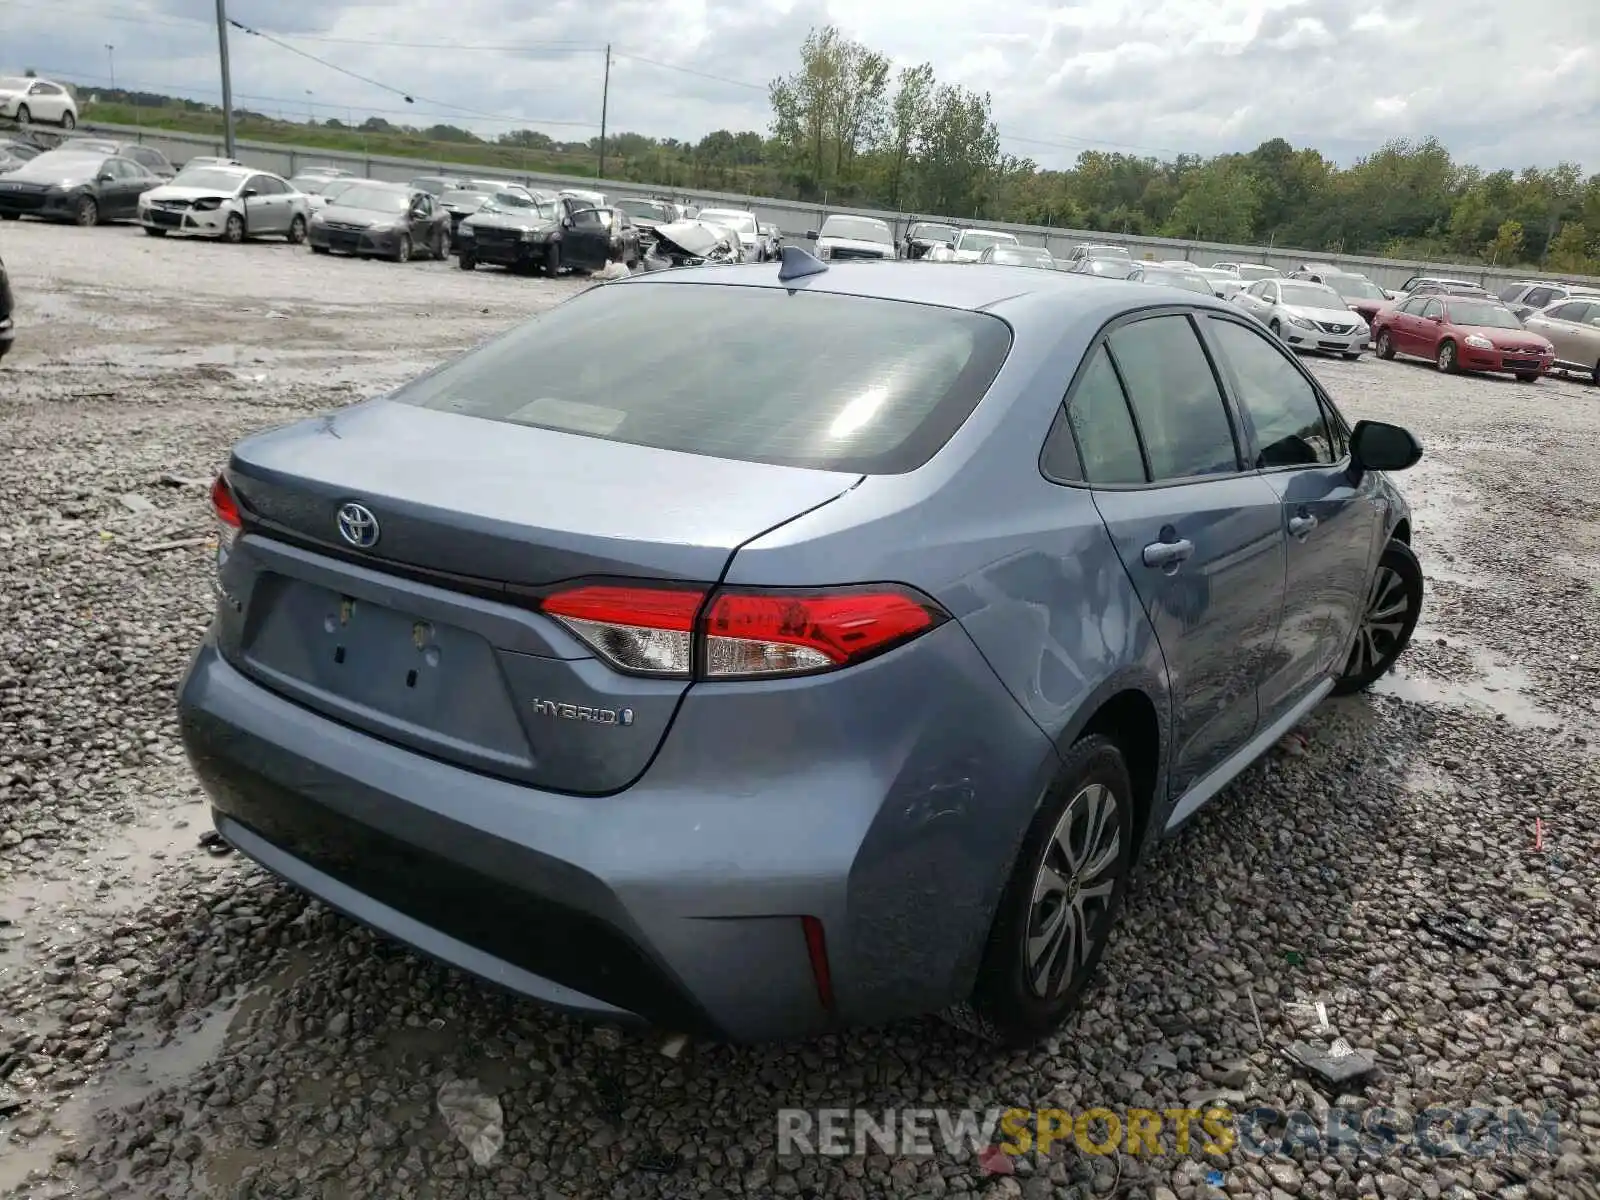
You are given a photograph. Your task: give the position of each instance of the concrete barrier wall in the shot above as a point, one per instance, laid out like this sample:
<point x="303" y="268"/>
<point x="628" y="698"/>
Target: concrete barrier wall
<point x="795" y="217"/>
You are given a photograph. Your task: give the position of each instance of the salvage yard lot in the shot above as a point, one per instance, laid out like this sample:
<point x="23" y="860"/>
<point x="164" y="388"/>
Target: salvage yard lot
<point x="174" y="1022"/>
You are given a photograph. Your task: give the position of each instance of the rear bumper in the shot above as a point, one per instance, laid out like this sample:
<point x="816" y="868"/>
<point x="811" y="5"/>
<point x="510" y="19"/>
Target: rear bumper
<point x="678" y="901"/>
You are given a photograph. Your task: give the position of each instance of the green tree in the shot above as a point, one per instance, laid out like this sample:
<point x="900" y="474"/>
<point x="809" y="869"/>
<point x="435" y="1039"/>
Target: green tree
<point x="1506" y="245"/>
<point x="1569" y="252"/>
<point x="832" y="109"/>
<point x="1218" y="204"/>
<point x="961" y="150"/>
<point x="909" y="114"/>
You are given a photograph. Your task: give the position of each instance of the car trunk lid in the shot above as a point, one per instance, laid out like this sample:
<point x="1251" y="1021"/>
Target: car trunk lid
<point x="428" y="634"/>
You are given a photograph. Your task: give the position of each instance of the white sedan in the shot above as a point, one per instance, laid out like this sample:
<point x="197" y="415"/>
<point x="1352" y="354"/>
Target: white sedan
<point x="231" y="203"/>
<point x="971" y="243"/>
<point x="1306" y="315"/>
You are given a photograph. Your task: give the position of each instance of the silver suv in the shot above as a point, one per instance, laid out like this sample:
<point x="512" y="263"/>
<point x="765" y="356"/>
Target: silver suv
<point x="1530" y="295"/>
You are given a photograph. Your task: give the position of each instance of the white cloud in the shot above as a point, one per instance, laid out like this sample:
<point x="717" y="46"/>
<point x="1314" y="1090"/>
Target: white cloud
<point x="1145" y="76"/>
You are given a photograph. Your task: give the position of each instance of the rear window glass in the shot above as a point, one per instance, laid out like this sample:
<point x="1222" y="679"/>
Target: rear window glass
<point x="736" y="372"/>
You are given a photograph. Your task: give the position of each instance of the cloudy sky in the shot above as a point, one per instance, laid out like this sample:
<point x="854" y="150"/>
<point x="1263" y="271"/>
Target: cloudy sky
<point x="1502" y="86"/>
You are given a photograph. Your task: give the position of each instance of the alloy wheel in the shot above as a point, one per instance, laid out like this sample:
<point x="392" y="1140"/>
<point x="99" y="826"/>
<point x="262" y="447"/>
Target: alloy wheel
<point x="1382" y="624"/>
<point x="1072" y="891"/>
<point x="1447" y="356"/>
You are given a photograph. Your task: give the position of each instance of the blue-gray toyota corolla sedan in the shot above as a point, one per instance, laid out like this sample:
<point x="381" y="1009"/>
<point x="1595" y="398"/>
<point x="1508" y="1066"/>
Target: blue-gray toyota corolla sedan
<point x="755" y="694"/>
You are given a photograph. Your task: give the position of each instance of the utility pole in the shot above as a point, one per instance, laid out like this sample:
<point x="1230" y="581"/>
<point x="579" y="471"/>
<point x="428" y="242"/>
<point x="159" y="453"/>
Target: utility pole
<point x="111" y="64"/>
<point x="227" y="77"/>
<point x="605" y="101"/>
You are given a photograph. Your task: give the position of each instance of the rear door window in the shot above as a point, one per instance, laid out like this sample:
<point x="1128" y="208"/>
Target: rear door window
<point x="1539" y="297"/>
<point x="1182" y="417"/>
<point x="813" y="379"/>
<point x="1104" y="445"/>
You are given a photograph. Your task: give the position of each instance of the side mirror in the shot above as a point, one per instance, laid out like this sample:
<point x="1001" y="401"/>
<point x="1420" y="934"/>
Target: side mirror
<point x="1379" y="446"/>
<point x="1436" y="319"/>
<point x="811" y="235"/>
<point x="249" y="192"/>
<point x="107" y="177"/>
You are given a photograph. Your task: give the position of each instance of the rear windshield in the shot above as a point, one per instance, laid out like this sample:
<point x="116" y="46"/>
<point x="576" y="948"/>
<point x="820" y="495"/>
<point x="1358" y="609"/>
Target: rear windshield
<point x="733" y="372"/>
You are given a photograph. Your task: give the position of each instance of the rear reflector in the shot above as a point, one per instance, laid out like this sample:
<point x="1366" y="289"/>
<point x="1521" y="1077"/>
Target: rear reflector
<point x="817" y="950"/>
<point x="740" y="633"/>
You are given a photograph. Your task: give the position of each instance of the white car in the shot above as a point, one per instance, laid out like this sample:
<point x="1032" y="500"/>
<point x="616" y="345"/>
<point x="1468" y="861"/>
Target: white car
<point x="1306" y="315"/>
<point x="1249" y="272"/>
<point x="1224" y="283"/>
<point x="752" y="245"/>
<point x="26" y="100"/>
<point x="844" y="237"/>
<point x="204" y="161"/>
<point x="231" y="203"/>
<point x="971" y="243"/>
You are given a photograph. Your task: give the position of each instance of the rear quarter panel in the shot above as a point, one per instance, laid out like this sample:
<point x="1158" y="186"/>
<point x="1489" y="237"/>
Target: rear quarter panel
<point x="1025" y="565"/>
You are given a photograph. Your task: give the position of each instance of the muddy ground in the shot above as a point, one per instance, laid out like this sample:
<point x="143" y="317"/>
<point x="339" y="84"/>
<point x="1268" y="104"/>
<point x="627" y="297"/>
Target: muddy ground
<point x="173" y="1022"/>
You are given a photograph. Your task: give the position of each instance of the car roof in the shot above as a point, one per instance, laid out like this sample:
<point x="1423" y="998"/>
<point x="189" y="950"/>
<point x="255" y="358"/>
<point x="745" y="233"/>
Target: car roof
<point x="1047" y="296"/>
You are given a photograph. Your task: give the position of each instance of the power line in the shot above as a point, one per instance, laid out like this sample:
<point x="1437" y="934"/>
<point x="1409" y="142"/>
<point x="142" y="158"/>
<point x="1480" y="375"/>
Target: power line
<point x="177" y="91"/>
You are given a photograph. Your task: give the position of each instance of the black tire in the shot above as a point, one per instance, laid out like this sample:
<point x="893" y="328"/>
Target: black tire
<point x="233" y="229"/>
<point x="321" y="250"/>
<point x="1007" y="1003"/>
<point x="467" y="261"/>
<point x="1393" y="606"/>
<point x="1351" y="355"/>
<point x="1448" y="360"/>
<point x="68" y="121"/>
<point x="1594" y="376"/>
<point x="24" y="115"/>
<point x="1385" y="346"/>
<point x="441" y="245"/>
<point x="552" y="260"/>
<point x="297" y="231"/>
<point x="402" y="253"/>
<point x="1277" y="329"/>
<point x="152" y="231"/>
<point x="1527" y="377"/>
<point x="18" y="217"/>
<point x="87" y="212"/>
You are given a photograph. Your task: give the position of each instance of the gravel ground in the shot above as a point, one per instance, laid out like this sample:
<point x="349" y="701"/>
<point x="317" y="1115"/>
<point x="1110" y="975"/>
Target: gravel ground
<point x="173" y="1022"/>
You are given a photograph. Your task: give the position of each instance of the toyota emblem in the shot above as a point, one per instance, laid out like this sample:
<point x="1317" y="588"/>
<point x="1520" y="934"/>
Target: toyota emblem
<point x="358" y="526"/>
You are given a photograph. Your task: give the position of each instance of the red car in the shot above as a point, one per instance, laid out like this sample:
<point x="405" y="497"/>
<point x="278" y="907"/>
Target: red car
<point x="1462" y="333"/>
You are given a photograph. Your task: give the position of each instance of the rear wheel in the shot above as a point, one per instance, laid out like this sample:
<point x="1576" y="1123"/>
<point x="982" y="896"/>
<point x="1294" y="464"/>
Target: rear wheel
<point x="87" y="213"/>
<point x="1061" y="901"/>
<point x="233" y="229"/>
<point x="1447" y="360"/>
<point x="1394" y="603"/>
<point x="1385" y="345"/>
<point x="297" y="231"/>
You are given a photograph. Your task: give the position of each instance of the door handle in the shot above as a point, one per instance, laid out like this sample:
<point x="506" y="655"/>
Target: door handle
<point x="1302" y="525"/>
<point x="1167" y="554"/>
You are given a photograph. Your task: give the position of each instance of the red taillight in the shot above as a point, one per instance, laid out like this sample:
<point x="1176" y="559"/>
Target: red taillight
<point x="743" y="633"/>
<point x="786" y="633"/>
<point x="226" y="509"/>
<point x="642" y="630"/>
<point x="223" y="503"/>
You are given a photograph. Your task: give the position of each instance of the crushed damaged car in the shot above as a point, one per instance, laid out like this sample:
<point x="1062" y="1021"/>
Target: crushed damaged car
<point x="687" y="244"/>
<point x="508" y="229"/>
